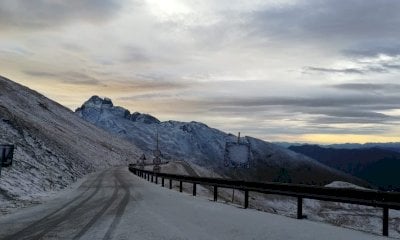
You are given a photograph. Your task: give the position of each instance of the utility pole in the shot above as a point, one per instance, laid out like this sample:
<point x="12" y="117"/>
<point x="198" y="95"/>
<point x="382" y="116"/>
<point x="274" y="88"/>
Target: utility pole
<point x="236" y="171"/>
<point x="157" y="155"/>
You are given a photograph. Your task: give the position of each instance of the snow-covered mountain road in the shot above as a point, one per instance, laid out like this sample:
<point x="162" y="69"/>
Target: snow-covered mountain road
<point x="115" y="204"/>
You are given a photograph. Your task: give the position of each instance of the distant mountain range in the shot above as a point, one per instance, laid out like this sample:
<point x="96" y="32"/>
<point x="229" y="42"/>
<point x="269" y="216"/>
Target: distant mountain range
<point x="394" y="146"/>
<point x="379" y="166"/>
<point x="197" y="143"/>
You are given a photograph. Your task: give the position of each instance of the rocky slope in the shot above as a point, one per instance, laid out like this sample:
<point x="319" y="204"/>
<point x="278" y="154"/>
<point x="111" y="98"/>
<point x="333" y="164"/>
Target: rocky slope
<point x="54" y="147"/>
<point x="197" y="143"/>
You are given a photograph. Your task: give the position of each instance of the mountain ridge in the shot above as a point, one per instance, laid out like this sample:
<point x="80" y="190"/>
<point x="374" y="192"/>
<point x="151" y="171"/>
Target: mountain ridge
<point x="197" y="143"/>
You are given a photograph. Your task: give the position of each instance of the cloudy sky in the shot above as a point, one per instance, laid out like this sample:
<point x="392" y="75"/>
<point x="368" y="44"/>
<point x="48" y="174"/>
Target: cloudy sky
<point x="315" y="71"/>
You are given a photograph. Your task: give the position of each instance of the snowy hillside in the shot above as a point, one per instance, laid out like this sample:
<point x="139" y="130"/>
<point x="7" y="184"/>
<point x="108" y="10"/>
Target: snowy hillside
<point x="54" y="147"/>
<point x="197" y="143"/>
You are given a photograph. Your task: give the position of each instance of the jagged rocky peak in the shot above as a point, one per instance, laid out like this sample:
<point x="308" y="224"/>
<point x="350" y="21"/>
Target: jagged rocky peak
<point x="96" y="101"/>
<point x="143" y="117"/>
<point x="97" y="106"/>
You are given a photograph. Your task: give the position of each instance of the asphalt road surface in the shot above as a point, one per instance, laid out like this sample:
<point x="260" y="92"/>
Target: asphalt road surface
<point x="115" y="204"/>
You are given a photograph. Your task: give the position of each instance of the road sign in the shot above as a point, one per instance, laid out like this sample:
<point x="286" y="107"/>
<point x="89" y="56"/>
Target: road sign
<point x="237" y="154"/>
<point x="156" y="168"/>
<point x="157" y="153"/>
<point x="6" y="155"/>
<point x="157" y="160"/>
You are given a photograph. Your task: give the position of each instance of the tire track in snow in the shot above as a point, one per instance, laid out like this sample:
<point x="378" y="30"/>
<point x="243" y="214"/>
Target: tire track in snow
<point x="54" y="223"/>
<point x="100" y="213"/>
<point x="120" y="209"/>
<point x="32" y="228"/>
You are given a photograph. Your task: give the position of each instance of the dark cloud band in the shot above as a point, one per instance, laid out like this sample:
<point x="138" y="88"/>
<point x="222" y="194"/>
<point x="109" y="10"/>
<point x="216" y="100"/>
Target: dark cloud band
<point x="38" y="14"/>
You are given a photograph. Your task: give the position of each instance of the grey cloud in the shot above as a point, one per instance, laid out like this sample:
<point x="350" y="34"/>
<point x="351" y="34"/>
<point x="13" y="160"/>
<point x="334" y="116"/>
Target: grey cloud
<point x="374" y="48"/>
<point x="134" y="84"/>
<point x="335" y="70"/>
<point x="324" y="110"/>
<point x="67" y="77"/>
<point x="344" y="20"/>
<point x="135" y="54"/>
<point x="387" y="87"/>
<point x="327" y="115"/>
<point x="391" y="66"/>
<point x="16" y="51"/>
<point x="335" y="101"/>
<point x="368" y="68"/>
<point x="337" y="120"/>
<point x="350" y="109"/>
<point x="151" y="96"/>
<point x="42" y="13"/>
<point x="324" y="125"/>
<point x="273" y="113"/>
<point x="39" y="73"/>
<point x="72" y="47"/>
<point x="141" y="86"/>
<point x="350" y="113"/>
<point x="316" y="125"/>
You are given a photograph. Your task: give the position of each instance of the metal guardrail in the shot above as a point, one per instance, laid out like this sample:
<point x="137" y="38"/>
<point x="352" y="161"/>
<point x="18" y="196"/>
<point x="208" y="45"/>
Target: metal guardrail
<point x="384" y="200"/>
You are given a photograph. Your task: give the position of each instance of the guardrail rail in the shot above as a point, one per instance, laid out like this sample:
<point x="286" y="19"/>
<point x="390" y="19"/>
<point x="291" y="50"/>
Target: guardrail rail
<point x="384" y="200"/>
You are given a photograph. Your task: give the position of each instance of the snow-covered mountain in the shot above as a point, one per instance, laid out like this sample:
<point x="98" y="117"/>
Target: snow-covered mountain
<point x="54" y="147"/>
<point x="197" y="143"/>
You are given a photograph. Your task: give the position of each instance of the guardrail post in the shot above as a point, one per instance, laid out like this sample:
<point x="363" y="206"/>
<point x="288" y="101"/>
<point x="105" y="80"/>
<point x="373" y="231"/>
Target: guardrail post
<point x="246" y="198"/>
<point x="170" y="183"/>
<point x="148" y="176"/>
<point x="180" y="186"/>
<point x="194" y="189"/>
<point x="215" y="193"/>
<point x="162" y="181"/>
<point x="151" y="177"/>
<point x="385" y="219"/>
<point x="299" y="207"/>
<point x="156" y="179"/>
